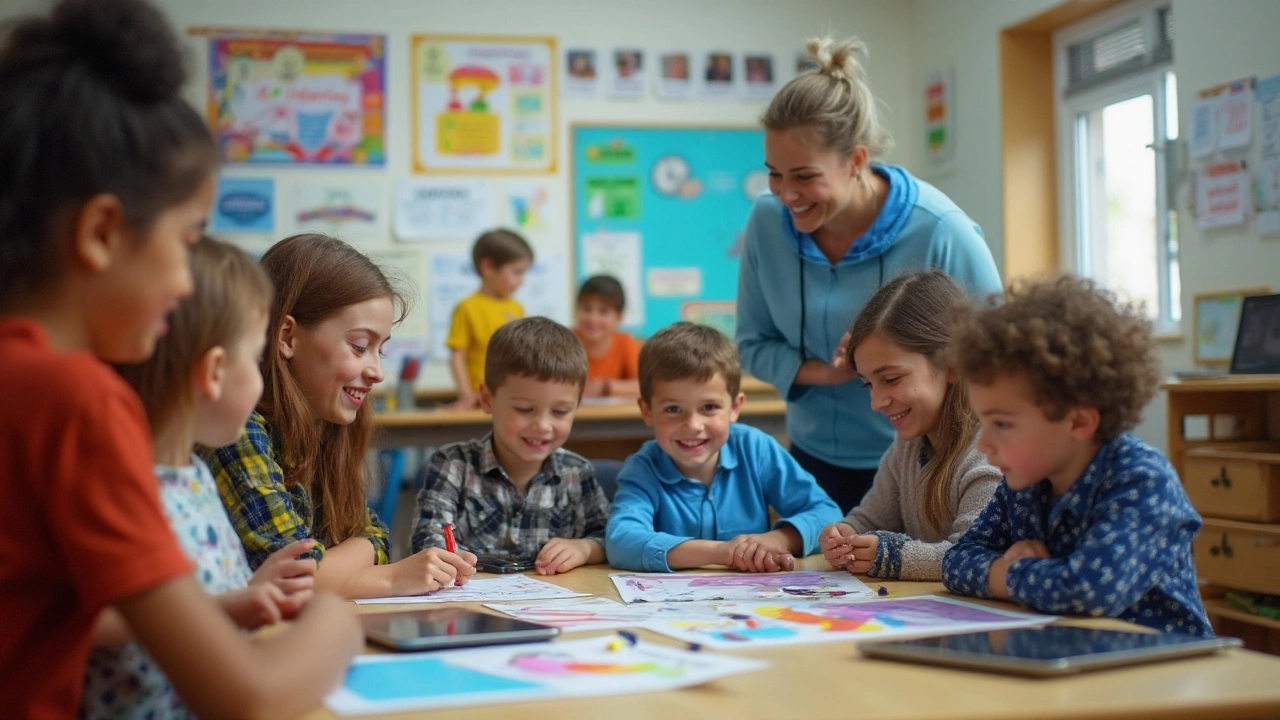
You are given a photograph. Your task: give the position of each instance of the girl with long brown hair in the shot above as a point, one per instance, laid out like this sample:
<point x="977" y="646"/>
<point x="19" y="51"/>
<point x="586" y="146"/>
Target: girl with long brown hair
<point x="932" y="482"/>
<point x="298" y="470"/>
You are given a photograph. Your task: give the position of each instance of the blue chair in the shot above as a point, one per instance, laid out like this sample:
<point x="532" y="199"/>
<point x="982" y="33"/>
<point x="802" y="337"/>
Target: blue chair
<point x="393" y="464"/>
<point x="607" y="475"/>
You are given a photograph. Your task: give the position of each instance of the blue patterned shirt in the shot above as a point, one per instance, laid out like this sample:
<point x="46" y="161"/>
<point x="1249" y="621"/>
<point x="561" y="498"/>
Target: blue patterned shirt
<point x="1120" y="540"/>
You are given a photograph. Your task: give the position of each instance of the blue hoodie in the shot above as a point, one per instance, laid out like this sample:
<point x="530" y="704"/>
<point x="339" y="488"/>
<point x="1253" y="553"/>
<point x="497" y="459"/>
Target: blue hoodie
<point x="918" y="228"/>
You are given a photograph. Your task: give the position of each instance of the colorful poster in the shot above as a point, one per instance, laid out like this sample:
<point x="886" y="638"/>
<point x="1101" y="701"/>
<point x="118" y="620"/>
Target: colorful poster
<point x="297" y="97"/>
<point x="484" y="104"/>
<point x="690" y="587"/>
<point x="593" y="613"/>
<point x="443" y="209"/>
<point x="722" y="316"/>
<point x="581" y="73"/>
<point x="940" y="116"/>
<point x="244" y="205"/>
<point x="530" y="207"/>
<point x="515" y="673"/>
<point x="499" y="589"/>
<point x="1204" y="127"/>
<point x="342" y="207"/>
<point x="1222" y="191"/>
<point x="1268" y="95"/>
<point x="736" y="625"/>
<point x="627" y="74"/>
<point x="1235" y="125"/>
<point x="617" y="253"/>
<point x="675" y="282"/>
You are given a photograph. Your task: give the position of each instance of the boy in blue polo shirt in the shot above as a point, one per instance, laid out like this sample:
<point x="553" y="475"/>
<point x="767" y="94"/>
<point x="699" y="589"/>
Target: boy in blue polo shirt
<point x="1089" y="520"/>
<point x="700" y="492"/>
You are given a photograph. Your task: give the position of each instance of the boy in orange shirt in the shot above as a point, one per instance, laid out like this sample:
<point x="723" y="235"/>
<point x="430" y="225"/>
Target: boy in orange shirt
<point x="613" y="358"/>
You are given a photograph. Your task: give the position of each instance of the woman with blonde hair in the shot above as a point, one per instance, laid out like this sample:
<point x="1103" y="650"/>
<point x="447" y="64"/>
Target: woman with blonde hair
<point x="835" y="228"/>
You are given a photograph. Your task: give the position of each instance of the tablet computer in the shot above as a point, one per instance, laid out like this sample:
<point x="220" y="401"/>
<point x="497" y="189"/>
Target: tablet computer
<point x="1045" y="651"/>
<point x="441" y="628"/>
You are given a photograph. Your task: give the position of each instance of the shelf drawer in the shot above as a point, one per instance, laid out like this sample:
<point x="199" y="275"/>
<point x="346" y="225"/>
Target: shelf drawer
<point x="1239" y="555"/>
<point x="1233" y="484"/>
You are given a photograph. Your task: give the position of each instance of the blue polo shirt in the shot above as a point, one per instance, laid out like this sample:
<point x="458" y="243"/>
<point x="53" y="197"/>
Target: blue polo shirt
<point x="656" y="508"/>
<point x="1120" y="540"/>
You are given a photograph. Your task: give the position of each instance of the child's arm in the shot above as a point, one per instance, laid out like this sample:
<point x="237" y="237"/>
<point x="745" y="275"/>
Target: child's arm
<point x="794" y="494"/>
<point x="348" y="569"/>
<point x="229" y="675"/>
<point x="467" y="397"/>
<point x="632" y="543"/>
<point x="440" y="499"/>
<point x="563" y="554"/>
<point x="967" y="564"/>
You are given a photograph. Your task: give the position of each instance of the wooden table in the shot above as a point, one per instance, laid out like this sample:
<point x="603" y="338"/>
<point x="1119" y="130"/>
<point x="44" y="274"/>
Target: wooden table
<point x="830" y="680"/>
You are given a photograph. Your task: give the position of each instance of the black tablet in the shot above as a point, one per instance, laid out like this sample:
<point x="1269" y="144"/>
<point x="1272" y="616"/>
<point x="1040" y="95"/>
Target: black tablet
<point x="503" y="564"/>
<point x="441" y="628"/>
<point x="1045" y="651"/>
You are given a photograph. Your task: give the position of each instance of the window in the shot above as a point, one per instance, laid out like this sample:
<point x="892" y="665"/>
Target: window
<point x="1117" y="130"/>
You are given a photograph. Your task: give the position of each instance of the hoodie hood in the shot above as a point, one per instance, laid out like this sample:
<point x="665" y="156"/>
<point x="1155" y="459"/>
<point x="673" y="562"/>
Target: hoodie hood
<point x="904" y="191"/>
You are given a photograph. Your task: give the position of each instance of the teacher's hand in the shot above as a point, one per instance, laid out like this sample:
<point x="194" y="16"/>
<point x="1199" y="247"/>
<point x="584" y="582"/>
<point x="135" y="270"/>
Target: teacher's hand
<point x="841" y="357"/>
<point x="817" y="372"/>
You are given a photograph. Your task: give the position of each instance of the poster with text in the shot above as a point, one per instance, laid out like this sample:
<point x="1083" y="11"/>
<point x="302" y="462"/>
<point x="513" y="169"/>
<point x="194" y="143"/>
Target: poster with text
<point x="347" y="208"/>
<point x="244" y="205"/>
<point x="483" y="104"/>
<point x="443" y="208"/>
<point x="297" y="97"/>
<point x="1222" y="190"/>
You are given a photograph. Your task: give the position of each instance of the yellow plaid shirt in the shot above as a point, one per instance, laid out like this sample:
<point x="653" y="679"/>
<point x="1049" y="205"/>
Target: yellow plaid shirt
<point x="266" y="512"/>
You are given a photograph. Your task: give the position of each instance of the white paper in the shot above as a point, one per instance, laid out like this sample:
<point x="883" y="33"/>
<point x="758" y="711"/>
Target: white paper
<point x="499" y="589"/>
<point x="546" y="288"/>
<point x="443" y="209"/>
<point x="529" y="206"/>
<point x="1235" y="117"/>
<point x="675" y="282"/>
<point x="719" y="75"/>
<point x="1204" y="131"/>
<point x="617" y="254"/>
<point x="627" y="73"/>
<point x="1266" y="184"/>
<point x="572" y="615"/>
<point x="1221" y="195"/>
<point x="737" y="625"/>
<point x="514" y="673"/>
<point x="581" y="73"/>
<point x="759" y="75"/>
<point x="674" y="77"/>
<point x="688" y="587"/>
<point x="344" y="207"/>
<point x="1268" y="93"/>
<point x="407" y="266"/>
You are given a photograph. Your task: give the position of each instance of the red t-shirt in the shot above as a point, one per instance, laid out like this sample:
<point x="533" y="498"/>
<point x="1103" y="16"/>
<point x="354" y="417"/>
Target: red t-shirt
<point x="81" y="526"/>
<point x="620" y="362"/>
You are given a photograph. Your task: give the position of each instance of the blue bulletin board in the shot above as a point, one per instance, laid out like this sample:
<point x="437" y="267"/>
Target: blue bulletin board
<point x="664" y="209"/>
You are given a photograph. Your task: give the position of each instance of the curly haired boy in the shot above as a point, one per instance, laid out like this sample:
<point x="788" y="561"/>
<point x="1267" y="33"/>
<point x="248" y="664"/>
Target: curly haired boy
<point x="1089" y="520"/>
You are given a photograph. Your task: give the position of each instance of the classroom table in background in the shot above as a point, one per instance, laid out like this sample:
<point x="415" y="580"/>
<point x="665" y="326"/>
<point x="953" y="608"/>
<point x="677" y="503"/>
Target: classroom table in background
<point x="828" y="680"/>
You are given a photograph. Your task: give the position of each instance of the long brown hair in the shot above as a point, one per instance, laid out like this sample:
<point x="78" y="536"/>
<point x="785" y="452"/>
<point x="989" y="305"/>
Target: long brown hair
<point x="230" y="288"/>
<point x="916" y="312"/>
<point x="316" y="276"/>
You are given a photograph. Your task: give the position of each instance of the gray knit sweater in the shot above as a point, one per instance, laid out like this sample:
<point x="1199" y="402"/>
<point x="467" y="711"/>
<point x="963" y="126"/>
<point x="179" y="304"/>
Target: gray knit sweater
<point x="893" y="509"/>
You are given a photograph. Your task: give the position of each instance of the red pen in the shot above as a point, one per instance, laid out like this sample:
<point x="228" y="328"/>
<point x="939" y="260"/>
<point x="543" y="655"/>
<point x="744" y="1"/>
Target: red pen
<point x="449" y="544"/>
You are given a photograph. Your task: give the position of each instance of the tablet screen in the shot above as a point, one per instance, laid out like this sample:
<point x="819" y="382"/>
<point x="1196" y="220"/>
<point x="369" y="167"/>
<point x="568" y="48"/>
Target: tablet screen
<point x="449" y="627"/>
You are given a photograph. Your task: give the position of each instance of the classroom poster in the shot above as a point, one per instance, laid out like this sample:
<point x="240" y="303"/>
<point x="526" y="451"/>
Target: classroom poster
<point x="297" y="97"/>
<point x="483" y="104"/>
<point x="617" y="253"/>
<point x="1266" y="185"/>
<point x="1235" y="126"/>
<point x="675" y="75"/>
<point x="627" y="74"/>
<point x="443" y="209"/>
<point x="1221" y="194"/>
<point x="720" y="75"/>
<point x="759" y="75"/>
<point x="940" y="116"/>
<point x="581" y="73"/>
<point x="407" y="268"/>
<point x="1204" y="130"/>
<point x="1268" y="96"/>
<point x="244" y="205"/>
<point x="348" y="208"/>
<point x="529" y="206"/>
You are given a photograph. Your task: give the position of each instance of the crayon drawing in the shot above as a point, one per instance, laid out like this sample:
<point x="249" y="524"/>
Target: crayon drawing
<point x="499" y="589"/>
<point x="516" y="673"/>
<point x="687" y="587"/>
<point x="741" y="624"/>
<point x="592" y="613"/>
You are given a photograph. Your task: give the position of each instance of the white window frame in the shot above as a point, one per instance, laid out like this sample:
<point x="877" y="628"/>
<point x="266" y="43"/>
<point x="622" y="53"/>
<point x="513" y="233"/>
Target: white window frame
<point x="1072" y="255"/>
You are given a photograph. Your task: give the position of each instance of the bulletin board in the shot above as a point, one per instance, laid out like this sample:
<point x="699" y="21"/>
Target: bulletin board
<point x="664" y="209"/>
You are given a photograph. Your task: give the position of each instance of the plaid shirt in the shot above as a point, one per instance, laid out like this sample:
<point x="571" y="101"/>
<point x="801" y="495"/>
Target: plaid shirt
<point x="466" y="486"/>
<point x="266" y="512"/>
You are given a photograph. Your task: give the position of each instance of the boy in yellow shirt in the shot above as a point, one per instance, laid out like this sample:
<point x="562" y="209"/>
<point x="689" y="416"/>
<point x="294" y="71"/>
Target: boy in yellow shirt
<point x="501" y="258"/>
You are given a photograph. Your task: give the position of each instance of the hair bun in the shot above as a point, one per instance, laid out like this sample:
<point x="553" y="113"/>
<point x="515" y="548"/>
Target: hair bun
<point x="840" y="60"/>
<point x="127" y="43"/>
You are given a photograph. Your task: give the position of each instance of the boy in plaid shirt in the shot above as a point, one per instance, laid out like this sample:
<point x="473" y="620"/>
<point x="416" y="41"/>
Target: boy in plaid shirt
<point x="515" y="491"/>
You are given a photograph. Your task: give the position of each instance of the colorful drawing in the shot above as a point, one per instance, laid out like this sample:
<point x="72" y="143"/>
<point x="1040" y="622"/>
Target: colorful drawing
<point x="772" y="623"/>
<point x="483" y="103"/>
<point x="499" y="589"/>
<point x="665" y="587"/>
<point x="578" y="614"/>
<point x="295" y="97"/>
<point x="576" y="668"/>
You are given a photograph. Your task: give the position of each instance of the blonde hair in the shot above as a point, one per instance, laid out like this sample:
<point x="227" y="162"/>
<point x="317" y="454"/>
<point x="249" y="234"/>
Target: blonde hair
<point x="833" y="100"/>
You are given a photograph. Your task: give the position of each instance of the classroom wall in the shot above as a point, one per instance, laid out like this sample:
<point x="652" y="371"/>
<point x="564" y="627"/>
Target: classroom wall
<point x="1213" y="42"/>
<point x="656" y="24"/>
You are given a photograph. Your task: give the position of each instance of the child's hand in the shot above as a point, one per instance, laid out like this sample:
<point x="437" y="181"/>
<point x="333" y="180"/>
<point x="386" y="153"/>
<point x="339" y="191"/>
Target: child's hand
<point x="863" y="554"/>
<point x="431" y="569"/>
<point x="253" y="606"/>
<point x="1027" y="549"/>
<point x="756" y="553"/>
<point x="466" y="401"/>
<point x="284" y="569"/>
<point x="562" y="555"/>
<point x="834" y="542"/>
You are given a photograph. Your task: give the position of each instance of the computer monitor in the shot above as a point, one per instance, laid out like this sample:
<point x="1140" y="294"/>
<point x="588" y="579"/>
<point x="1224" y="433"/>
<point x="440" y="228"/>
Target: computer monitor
<point x="1257" y="349"/>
